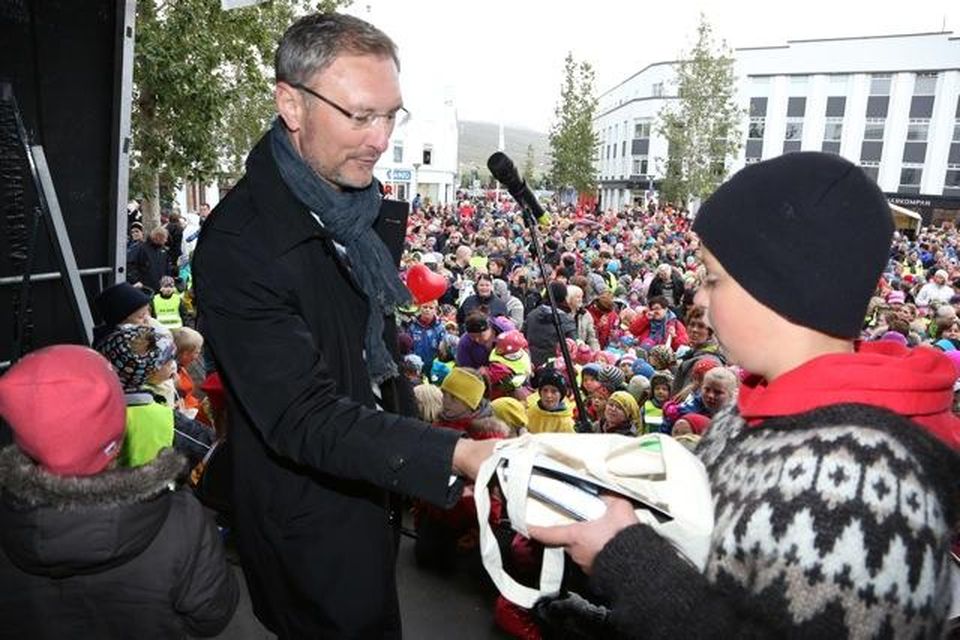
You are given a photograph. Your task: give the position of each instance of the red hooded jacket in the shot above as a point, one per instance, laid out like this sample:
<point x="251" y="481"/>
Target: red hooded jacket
<point x="915" y="383"/>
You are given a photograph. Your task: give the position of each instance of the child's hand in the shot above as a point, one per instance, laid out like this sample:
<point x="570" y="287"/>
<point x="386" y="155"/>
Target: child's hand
<point x="584" y="540"/>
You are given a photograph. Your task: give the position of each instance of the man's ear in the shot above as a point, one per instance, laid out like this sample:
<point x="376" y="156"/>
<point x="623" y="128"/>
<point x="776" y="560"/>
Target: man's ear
<point x="290" y="105"/>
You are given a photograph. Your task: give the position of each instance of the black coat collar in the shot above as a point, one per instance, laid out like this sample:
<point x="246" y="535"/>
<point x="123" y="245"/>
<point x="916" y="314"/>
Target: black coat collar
<point x="291" y="222"/>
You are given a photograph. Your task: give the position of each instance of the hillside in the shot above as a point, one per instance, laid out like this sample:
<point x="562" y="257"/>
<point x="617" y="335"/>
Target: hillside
<point x="479" y="139"/>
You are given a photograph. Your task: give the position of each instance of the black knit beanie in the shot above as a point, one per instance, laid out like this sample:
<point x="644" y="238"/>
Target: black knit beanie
<point x="806" y="234"/>
<point x="119" y="301"/>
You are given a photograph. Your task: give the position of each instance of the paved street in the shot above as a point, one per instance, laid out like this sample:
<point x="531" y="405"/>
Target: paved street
<point x="460" y="606"/>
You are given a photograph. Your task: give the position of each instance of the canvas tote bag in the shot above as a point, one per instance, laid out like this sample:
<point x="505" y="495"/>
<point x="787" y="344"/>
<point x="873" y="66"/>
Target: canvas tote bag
<point x="542" y="476"/>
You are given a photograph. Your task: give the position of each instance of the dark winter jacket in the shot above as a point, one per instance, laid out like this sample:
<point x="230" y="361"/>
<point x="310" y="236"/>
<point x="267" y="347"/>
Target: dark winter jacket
<point x="677" y="289"/>
<point x="491" y="306"/>
<point x="313" y="458"/>
<point x="120" y="554"/>
<point x="542" y="335"/>
<point x="147" y="264"/>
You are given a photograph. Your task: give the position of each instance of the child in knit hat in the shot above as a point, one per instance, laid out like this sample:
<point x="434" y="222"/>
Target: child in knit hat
<point x="621" y="415"/>
<point x="652" y="410"/>
<point x="512" y="413"/>
<point x="143" y="358"/>
<point x="835" y="473"/>
<point x="443" y="533"/>
<point x="87" y="549"/>
<point x="167" y="305"/>
<point x="412" y="369"/>
<point x="445" y="360"/>
<point x="120" y="304"/>
<point x="548" y="412"/>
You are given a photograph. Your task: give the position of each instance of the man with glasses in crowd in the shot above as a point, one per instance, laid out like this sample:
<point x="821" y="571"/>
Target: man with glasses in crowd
<point x="296" y="278"/>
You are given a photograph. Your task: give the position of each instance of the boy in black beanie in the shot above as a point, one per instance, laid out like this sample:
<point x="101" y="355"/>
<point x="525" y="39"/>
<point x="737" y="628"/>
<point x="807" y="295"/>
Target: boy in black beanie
<point x="833" y="512"/>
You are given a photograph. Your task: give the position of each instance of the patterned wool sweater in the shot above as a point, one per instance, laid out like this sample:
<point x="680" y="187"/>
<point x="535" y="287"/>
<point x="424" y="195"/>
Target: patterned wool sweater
<point x="832" y="523"/>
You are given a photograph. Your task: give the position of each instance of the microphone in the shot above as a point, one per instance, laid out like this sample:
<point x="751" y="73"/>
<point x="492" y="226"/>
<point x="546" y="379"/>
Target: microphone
<point x="503" y="169"/>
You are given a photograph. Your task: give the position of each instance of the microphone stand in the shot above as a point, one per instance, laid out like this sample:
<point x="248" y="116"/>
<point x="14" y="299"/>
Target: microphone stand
<point x="583" y="424"/>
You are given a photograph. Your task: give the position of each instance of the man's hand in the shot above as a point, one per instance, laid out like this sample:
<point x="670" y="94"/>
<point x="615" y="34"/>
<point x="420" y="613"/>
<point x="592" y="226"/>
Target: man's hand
<point x="468" y="455"/>
<point x="584" y="540"/>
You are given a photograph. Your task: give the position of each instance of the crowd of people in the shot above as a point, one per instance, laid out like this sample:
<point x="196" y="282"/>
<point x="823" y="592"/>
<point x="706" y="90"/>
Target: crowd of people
<point x="484" y="359"/>
<point x="807" y="352"/>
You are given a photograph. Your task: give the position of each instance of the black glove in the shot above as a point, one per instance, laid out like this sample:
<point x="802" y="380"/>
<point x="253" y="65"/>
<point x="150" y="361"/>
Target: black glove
<point x="571" y="617"/>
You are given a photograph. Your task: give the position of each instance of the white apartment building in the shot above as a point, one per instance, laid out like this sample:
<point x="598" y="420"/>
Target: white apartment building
<point x="890" y="104"/>
<point x="422" y="157"/>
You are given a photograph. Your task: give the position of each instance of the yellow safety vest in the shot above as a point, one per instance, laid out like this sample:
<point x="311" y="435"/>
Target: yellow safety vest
<point x="652" y="417"/>
<point x="168" y="310"/>
<point x="149" y="429"/>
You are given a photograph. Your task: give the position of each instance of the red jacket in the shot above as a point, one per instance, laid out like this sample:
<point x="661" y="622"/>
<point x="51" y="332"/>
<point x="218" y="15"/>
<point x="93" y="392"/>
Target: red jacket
<point x="605" y="322"/>
<point x="640" y="328"/>
<point x="915" y="383"/>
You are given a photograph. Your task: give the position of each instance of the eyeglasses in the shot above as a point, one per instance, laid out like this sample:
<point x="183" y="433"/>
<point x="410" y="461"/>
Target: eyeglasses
<point x="364" y="120"/>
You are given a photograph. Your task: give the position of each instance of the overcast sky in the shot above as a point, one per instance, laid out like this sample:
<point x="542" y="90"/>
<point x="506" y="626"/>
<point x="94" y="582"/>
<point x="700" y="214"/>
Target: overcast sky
<point x="503" y="59"/>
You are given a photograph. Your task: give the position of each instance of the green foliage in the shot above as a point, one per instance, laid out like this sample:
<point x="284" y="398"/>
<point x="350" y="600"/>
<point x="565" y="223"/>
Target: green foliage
<point x="202" y="87"/>
<point x="572" y="139"/>
<point x="528" y="165"/>
<point x="702" y="125"/>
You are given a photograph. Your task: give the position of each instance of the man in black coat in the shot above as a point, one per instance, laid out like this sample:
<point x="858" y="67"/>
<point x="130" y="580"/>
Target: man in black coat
<point x="669" y="284"/>
<point x="149" y="261"/>
<point x="540" y="331"/>
<point x="296" y="291"/>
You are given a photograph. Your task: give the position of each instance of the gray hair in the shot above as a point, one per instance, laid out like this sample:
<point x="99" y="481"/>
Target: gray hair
<point x="313" y="42"/>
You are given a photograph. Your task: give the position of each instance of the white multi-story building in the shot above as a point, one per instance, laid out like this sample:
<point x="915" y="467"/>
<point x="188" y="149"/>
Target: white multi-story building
<point x="422" y="157"/>
<point x="887" y="103"/>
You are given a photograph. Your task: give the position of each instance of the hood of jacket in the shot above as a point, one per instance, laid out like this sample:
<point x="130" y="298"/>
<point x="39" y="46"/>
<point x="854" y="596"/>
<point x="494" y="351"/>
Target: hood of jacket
<point x="60" y="526"/>
<point x="915" y="383"/>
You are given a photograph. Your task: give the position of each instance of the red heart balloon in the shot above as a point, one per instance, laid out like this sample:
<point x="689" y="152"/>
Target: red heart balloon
<point x="424" y="284"/>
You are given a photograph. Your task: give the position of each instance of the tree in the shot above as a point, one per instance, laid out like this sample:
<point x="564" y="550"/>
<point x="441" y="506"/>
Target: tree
<point x="202" y="89"/>
<point x="528" y="165"/>
<point x="702" y="126"/>
<point x="572" y="139"/>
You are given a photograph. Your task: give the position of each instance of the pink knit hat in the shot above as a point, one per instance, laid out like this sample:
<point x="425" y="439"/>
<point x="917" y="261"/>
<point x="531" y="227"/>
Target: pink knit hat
<point x="66" y="408"/>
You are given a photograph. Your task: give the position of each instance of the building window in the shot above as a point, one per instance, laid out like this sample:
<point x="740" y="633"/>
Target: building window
<point x="910" y="178"/>
<point x="880" y="84"/>
<point x="427" y="154"/>
<point x="793" y="135"/>
<point x="798" y="85"/>
<point x="839" y="84"/>
<point x="956" y="130"/>
<point x="832" y="134"/>
<point x="398" y="151"/>
<point x="796" y="107"/>
<point x="872" y="169"/>
<point x="917" y="130"/>
<point x="873" y="130"/>
<point x="836" y="106"/>
<point x="925" y="84"/>
<point x="951" y="184"/>
<point x="641" y="129"/>
<point x="656" y="90"/>
<point x="833" y="130"/>
<point x="755" y="130"/>
<point x="640" y="166"/>
<point x="794" y="130"/>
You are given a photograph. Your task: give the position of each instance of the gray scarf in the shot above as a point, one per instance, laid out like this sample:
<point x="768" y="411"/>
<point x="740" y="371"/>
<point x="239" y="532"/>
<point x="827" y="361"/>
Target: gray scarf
<point x="349" y="217"/>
